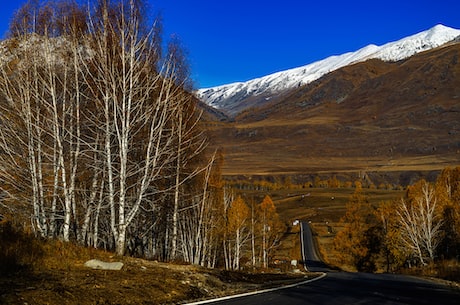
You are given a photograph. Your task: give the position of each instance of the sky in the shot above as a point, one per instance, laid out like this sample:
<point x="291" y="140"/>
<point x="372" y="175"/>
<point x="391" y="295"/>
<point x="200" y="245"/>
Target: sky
<point x="238" y="40"/>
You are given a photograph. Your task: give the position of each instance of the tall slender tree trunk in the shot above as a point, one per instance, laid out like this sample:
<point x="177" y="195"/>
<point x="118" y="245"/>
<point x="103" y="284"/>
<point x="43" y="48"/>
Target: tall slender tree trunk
<point x="177" y="185"/>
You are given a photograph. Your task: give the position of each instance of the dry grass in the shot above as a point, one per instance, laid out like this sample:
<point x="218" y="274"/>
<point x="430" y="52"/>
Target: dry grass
<point x="53" y="272"/>
<point x="324" y="234"/>
<point x="20" y="251"/>
<point x="288" y="250"/>
<point x="356" y="118"/>
<point x="448" y="270"/>
<point x="323" y="204"/>
<point x="296" y="161"/>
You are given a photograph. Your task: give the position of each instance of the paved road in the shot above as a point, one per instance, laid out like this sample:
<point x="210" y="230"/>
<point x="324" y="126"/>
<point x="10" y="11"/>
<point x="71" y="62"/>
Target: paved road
<point x="310" y="256"/>
<point x="339" y="288"/>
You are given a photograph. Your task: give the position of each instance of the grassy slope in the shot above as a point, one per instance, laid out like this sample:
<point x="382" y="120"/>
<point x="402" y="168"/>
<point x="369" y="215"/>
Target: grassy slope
<point x="372" y="116"/>
<point x="53" y="273"/>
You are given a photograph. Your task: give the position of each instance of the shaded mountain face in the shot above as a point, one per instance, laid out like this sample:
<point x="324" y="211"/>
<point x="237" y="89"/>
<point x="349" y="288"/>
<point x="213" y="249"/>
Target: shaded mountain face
<point x="373" y="115"/>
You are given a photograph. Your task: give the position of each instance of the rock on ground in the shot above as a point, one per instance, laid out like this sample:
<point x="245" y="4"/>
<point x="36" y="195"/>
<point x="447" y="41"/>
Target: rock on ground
<point x="97" y="264"/>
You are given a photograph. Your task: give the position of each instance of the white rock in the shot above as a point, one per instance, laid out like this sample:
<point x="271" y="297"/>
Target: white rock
<point x="97" y="264"/>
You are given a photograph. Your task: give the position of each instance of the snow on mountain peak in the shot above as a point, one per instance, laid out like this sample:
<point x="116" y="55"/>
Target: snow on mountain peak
<point x="231" y="97"/>
<point x="406" y="47"/>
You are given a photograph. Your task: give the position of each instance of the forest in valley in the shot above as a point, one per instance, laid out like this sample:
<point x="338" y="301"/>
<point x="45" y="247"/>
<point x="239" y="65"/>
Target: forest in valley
<point x="419" y="230"/>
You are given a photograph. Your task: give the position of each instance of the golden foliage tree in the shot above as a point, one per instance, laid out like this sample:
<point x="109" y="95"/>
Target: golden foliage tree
<point x="238" y="232"/>
<point x="392" y="250"/>
<point x="271" y="228"/>
<point x="447" y="189"/>
<point x="358" y="243"/>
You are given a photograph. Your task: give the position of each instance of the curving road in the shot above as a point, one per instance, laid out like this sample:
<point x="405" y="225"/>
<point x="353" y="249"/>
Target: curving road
<point x="339" y="288"/>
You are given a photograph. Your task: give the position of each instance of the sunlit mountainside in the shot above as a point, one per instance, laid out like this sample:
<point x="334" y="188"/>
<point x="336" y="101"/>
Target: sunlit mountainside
<point x="236" y="97"/>
<point x="394" y="116"/>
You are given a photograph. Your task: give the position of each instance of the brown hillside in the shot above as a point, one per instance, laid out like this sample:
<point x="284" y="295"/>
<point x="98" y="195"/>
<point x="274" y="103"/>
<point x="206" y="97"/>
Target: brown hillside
<point x="373" y="116"/>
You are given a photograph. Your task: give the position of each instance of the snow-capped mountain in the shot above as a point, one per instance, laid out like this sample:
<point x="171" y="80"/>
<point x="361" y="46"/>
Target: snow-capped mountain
<point x="235" y="97"/>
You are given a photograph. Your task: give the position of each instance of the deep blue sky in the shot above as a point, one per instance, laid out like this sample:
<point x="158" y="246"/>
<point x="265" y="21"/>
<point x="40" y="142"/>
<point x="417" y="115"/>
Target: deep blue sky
<point x="237" y="40"/>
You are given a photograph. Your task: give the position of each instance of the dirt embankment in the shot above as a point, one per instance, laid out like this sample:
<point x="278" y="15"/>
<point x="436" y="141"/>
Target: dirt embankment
<point x="139" y="282"/>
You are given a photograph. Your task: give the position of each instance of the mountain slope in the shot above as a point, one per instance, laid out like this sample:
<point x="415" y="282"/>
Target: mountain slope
<point x="236" y="97"/>
<point x="372" y="115"/>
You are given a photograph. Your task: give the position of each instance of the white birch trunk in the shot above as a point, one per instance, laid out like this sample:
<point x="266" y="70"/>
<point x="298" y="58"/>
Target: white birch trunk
<point x="420" y="225"/>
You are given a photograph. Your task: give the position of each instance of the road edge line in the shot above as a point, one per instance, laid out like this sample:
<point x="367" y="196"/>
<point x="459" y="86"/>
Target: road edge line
<point x="257" y="291"/>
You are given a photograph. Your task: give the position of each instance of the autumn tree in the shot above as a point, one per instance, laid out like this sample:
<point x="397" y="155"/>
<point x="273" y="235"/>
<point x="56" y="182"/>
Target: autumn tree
<point x="358" y="243"/>
<point x="334" y="182"/>
<point x="447" y="190"/>
<point x="254" y="230"/>
<point x="271" y="228"/>
<point x="42" y="99"/>
<point x="190" y="141"/>
<point x="393" y="251"/>
<point x="238" y="232"/>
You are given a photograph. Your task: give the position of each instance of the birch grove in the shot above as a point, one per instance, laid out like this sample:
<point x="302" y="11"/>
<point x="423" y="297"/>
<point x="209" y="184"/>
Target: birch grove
<point x="102" y="144"/>
<point x="98" y="134"/>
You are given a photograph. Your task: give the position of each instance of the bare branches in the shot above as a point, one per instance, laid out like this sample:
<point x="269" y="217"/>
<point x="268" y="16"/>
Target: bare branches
<point x="420" y="223"/>
<point x="97" y="126"/>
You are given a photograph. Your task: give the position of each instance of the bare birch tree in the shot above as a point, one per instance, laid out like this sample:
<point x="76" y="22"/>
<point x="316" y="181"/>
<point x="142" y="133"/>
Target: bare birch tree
<point x="420" y="223"/>
<point x="136" y="103"/>
<point x="98" y="131"/>
<point x="190" y="142"/>
<point x="21" y="132"/>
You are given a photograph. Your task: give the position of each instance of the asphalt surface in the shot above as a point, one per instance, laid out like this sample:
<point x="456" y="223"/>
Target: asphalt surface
<point x="310" y="255"/>
<point x="352" y="288"/>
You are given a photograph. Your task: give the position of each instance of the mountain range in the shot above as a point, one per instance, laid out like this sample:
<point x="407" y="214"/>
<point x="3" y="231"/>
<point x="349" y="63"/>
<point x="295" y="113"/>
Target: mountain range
<point x="236" y="97"/>
<point x="365" y="113"/>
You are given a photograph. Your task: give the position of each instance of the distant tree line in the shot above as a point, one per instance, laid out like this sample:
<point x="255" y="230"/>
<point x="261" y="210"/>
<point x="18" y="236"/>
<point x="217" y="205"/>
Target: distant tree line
<point x="277" y="183"/>
<point x="417" y="230"/>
